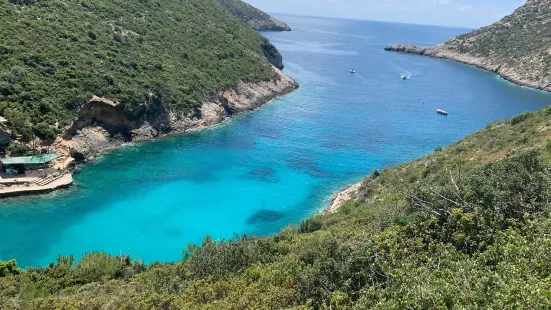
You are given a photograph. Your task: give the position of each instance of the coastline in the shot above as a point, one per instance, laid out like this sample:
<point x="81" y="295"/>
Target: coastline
<point x="439" y="51"/>
<point x="90" y="142"/>
<point x="504" y="71"/>
<point x="341" y="197"/>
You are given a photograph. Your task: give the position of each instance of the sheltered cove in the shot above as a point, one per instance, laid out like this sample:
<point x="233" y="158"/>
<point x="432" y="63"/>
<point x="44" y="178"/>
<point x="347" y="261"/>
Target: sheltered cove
<point x="85" y="141"/>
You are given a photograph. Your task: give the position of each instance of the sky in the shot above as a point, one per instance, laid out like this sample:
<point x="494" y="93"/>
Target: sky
<point x="460" y="13"/>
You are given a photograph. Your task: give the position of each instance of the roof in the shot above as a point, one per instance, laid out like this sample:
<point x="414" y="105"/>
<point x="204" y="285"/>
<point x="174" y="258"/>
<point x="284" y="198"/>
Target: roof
<point x="3" y="120"/>
<point x="29" y="160"/>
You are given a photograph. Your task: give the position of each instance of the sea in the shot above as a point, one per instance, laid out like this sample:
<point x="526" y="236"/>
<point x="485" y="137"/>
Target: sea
<point x="278" y="165"/>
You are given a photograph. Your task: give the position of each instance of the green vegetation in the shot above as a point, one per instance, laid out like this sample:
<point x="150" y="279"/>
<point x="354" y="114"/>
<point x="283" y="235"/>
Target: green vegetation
<point x="465" y="227"/>
<point x="244" y="11"/>
<point x="520" y="40"/>
<point x="254" y="17"/>
<point x="146" y="54"/>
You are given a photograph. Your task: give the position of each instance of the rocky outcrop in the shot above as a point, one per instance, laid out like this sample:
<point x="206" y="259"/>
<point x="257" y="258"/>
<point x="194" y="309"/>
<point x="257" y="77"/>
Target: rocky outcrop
<point x="342" y="196"/>
<point x="102" y="124"/>
<point x="517" y="47"/>
<point x="271" y="24"/>
<point x="272" y="54"/>
<point x="254" y="17"/>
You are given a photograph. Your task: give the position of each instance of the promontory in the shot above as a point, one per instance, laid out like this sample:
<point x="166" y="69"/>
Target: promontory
<point x="518" y="47"/>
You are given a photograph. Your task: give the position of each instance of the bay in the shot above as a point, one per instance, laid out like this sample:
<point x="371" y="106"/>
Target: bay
<point x="277" y="165"/>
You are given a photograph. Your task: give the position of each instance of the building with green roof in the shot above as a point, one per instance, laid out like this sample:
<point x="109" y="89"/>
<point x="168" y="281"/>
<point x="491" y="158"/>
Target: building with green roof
<point x="29" y="161"/>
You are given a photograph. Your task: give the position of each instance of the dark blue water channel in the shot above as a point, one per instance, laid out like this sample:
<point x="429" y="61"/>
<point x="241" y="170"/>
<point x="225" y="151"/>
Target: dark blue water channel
<point x="275" y="166"/>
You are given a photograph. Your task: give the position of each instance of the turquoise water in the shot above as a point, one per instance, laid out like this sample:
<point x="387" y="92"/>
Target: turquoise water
<point x="276" y="166"/>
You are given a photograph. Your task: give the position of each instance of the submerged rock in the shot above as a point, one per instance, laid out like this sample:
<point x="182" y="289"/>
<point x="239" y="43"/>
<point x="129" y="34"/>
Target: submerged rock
<point x="265" y="216"/>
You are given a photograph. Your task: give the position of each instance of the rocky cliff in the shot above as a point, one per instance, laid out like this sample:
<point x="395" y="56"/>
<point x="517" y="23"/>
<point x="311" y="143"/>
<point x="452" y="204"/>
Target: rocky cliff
<point x="518" y="47"/>
<point x="102" y="124"/>
<point x="254" y="17"/>
<point x="147" y="56"/>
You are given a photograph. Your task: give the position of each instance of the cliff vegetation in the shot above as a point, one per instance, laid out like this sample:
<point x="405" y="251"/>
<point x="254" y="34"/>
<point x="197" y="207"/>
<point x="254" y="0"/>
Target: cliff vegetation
<point x="254" y="17"/>
<point x="146" y="55"/>
<point x="467" y="226"/>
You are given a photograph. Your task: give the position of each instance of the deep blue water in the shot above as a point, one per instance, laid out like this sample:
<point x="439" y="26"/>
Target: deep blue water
<point x="275" y="166"/>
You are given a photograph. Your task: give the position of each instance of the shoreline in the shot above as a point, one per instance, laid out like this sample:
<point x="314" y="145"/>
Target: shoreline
<point x="86" y="140"/>
<point x="504" y="72"/>
<point x="341" y="196"/>
<point x="215" y="115"/>
<point x="507" y="73"/>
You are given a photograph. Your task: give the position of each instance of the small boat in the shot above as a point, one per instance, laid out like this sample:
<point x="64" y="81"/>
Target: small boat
<point x="403" y="76"/>
<point x="352" y="71"/>
<point x="441" y="112"/>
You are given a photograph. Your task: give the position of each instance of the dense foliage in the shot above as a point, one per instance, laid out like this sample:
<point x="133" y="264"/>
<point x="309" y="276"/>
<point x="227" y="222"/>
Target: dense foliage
<point x="465" y="227"/>
<point x="244" y="11"/>
<point x="54" y="55"/>
<point x="520" y="40"/>
<point x="256" y="18"/>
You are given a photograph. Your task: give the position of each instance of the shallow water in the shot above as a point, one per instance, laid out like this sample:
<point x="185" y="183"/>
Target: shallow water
<point x="276" y="166"/>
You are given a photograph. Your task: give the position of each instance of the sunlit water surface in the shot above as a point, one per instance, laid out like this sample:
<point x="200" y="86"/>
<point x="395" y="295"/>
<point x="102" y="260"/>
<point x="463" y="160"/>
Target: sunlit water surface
<point x="275" y="166"/>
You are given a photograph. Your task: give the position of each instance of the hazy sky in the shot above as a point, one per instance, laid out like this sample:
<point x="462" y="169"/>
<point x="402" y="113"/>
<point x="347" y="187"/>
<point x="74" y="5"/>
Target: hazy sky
<point x="468" y="13"/>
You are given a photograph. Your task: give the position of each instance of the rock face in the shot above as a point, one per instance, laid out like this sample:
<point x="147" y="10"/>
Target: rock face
<point x="273" y="55"/>
<point x="254" y="17"/>
<point x="102" y="124"/>
<point x="271" y="24"/>
<point x="518" y="47"/>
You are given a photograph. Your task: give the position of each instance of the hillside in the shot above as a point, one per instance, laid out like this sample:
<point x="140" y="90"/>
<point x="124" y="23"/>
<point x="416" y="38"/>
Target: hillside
<point x="156" y="62"/>
<point x="518" y="47"/>
<point x="254" y="17"/>
<point x="465" y="227"/>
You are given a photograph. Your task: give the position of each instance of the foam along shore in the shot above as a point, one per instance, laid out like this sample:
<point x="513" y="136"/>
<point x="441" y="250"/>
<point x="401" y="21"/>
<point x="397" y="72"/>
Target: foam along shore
<point x="342" y="196"/>
<point x="27" y="186"/>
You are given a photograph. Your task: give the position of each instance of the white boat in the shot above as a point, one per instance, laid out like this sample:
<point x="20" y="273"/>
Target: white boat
<point x="441" y="112"/>
<point x="352" y="71"/>
<point x="403" y="76"/>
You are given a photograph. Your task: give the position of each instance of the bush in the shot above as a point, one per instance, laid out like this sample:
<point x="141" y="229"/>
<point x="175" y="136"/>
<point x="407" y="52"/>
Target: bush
<point x="310" y="225"/>
<point x="9" y="268"/>
<point x="520" y="118"/>
<point x="99" y="266"/>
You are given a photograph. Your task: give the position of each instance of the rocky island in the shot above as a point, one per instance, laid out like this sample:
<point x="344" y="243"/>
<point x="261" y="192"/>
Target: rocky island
<point x="516" y="47"/>
<point x="254" y="17"/>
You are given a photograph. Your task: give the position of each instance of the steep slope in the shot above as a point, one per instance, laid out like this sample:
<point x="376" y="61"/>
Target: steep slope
<point x="518" y="47"/>
<point x="254" y="17"/>
<point x="158" y="62"/>
<point x="465" y="227"/>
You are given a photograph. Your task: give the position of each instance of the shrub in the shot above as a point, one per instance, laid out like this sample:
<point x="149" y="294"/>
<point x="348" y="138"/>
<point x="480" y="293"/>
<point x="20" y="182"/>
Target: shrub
<point x="9" y="268"/>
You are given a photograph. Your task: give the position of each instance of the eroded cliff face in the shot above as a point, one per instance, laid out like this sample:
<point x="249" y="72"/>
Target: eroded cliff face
<point x="102" y="124"/>
<point x="272" y="54"/>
